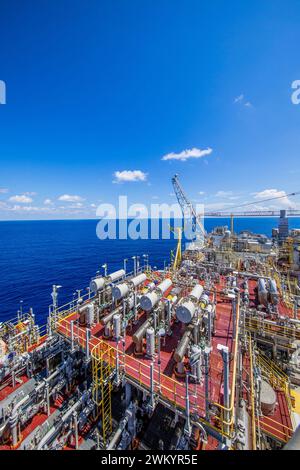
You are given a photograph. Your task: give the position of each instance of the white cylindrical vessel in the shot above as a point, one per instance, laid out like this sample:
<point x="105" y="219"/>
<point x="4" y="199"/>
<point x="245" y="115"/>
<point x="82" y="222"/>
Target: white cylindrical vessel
<point x="196" y="292"/>
<point x="150" y="342"/>
<point x="120" y="291"/>
<point x="97" y="284"/>
<point x="116" y="275"/>
<point x="185" y="311"/>
<point x="149" y="301"/>
<point x="136" y="281"/>
<point x="90" y="314"/>
<point x="117" y="325"/>
<point x="164" y="286"/>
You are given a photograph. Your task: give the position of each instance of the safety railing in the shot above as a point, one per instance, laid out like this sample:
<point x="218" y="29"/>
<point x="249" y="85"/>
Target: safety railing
<point x="280" y="382"/>
<point x="226" y="419"/>
<point x="138" y="371"/>
<point x="266" y="327"/>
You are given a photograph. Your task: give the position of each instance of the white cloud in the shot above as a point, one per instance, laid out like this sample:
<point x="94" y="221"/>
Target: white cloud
<point x="70" y="198"/>
<point x="129" y="176"/>
<point x="201" y="193"/>
<point x="217" y="206"/>
<point x="273" y="193"/>
<point x="48" y="202"/>
<point x="21" y="199"/>
<point x="3" y="190"/>
<point x="241" y="99"/>
<point x="188" y="153"/>
<point x="224" y="194"/>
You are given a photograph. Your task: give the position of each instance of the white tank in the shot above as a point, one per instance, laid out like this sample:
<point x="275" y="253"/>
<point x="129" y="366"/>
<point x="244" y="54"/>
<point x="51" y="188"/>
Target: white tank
<point x="164" y="286"/>
<point x="120" y="291"/>
<point x="97" y="284"/>
<point x="117" y="325"/>
<point x="90" y="314"/>
<point x="196" y="292"/>
<point x="185" y="311"/>
<point x="116" y="275"/>
<point x="150" y="342"/>
<point x="149" y="301"/>
<point x="136" y="281"/>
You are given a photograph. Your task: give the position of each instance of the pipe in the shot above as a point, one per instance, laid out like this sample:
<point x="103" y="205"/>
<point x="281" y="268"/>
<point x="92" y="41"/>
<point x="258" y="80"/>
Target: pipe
<point x="54" y="430"/>
<point x="139" y="334"/>
<point x="183" y="345"/>
<point x="109" y="317"/>
<point x="13" y="419"/>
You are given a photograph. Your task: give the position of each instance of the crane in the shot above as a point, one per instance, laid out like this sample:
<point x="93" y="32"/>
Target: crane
<point x="189" y="214"/>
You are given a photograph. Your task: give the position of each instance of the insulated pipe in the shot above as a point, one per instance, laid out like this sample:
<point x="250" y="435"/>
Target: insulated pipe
<point x="139" y="334"/>
<point x="183" y="345"/>
<point x="110" y="316"/>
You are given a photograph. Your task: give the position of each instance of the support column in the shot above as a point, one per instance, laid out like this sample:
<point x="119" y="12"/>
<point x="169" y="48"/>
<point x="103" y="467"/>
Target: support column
<point x="187" y="426"/>
<point x="152" y="403"/>
<point x="225" y="356"/>
<point x="75" y="422"/>
<point x="87" y="339"/>
<point x="47" y="399"/>
<point x="207" y="351"/>
<point x="72" y="334"/>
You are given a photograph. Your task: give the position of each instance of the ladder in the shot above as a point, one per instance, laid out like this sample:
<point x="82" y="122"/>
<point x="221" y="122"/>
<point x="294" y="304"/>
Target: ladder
<point x="102" y="371"/>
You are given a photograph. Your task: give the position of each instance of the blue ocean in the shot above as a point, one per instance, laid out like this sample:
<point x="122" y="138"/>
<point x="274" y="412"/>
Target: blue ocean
<point x="34" y="255"/>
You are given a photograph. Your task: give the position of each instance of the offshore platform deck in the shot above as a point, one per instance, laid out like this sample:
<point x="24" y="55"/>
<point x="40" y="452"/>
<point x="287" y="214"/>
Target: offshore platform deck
<point x="202" y="355"/>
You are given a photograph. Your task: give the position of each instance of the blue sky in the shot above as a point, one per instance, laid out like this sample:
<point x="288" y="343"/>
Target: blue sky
<point x="99" y="87"/>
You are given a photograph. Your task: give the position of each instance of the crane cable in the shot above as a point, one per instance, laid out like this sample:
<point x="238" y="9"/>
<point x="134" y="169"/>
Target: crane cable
<point x="257" y="202"/>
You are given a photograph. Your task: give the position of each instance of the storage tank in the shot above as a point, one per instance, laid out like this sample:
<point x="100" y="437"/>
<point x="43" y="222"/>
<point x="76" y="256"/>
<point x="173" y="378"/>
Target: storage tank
<point x="97" y="284"/>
